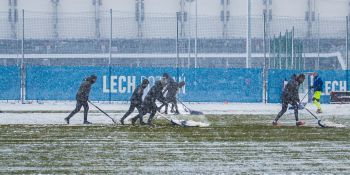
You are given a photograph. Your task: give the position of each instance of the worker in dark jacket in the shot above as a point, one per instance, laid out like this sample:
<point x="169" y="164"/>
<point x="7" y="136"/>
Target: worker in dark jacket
<point x="290" y="95"/>
<point x="167" y="79"/>
<point x="171" y="91"/>
<point x="82" y="98"/>
<point x="318" y="88"/>
<point x="149" y="103"/>
<point x="136" y="101"/>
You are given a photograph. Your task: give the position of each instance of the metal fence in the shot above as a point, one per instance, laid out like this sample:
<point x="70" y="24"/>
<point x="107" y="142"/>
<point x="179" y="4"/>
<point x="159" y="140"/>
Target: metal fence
<point x="172" y="40"/>
<point x="166" y="40"/>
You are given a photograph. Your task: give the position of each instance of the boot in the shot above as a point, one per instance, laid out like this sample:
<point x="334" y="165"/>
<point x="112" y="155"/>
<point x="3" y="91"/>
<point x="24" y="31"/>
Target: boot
<point x="319" y="111"/>
<point x="275" y="123"/>
<point x="66" y="120"/>
<point x="87" y="122"/>
<point x="300" y="123"/>
<point x="133" y="121"/>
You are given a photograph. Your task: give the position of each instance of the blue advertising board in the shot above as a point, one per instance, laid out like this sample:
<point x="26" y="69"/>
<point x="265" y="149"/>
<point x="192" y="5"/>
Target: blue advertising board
<point x="118" y="83"/>
<point x="10" y="86"/>
<point x="334" y="80"/>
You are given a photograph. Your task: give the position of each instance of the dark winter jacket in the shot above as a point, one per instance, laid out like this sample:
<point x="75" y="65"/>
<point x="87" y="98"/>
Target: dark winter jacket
<point x="318" y="84"/>
<point x="155" y="93"/>
<point x="136" y="97"/>
<point x="291" y="91"/>
<point x="84" y="90"/>
<point x="172" y="89"/>
<point x="168" y="81"/>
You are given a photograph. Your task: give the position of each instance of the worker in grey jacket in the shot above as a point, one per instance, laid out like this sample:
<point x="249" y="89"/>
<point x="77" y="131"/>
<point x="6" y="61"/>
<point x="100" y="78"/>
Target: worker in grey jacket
<point x="290" y="95"/>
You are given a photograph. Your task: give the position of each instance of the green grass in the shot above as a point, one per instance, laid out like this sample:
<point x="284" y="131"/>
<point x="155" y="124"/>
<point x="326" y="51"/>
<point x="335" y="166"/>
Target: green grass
<point x="242" y="144"/>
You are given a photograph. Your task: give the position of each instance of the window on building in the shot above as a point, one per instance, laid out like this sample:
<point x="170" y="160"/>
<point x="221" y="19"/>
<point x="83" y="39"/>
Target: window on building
<point x="16" y="15"/>
<point x="313" y="16"/>
<point x="223" y="1"/>
<point x="227" y="15"/>
<point x="10" y="15"/>
<point x="306" y="16"/>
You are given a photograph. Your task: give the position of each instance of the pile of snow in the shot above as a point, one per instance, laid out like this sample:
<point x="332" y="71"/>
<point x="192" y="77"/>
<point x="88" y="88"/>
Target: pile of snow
<point x="189" y="123"/>
<point x="330" y="124"/>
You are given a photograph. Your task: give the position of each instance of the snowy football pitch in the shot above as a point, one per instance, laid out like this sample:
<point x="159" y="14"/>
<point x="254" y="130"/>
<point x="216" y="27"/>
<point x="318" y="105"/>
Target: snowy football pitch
<point x="245" y="144"/>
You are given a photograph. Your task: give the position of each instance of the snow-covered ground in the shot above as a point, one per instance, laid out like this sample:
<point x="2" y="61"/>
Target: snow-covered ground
<point x="36" y="140"/>
<point x="207" y="108"/>
<point x="54" y="112"/>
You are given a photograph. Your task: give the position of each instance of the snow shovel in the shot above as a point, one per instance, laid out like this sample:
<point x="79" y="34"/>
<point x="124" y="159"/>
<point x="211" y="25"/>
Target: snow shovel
<point x="192" y="112"/>
<point x="318" y="120"/>
<point x="103" y="112"/>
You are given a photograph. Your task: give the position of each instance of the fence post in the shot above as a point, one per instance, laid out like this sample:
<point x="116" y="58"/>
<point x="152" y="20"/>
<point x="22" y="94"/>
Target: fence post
<point x="196" y="37"/>
<point x="248" y="39"/>
<point x="347" y="52"/>
<point x="265" y="62"/>
<point x="23" y="76"/>
<point x="177" y="44"/>
<point x="110" y="53"/>
<point x="292" y="63"/>
<point x="318" y="43"/>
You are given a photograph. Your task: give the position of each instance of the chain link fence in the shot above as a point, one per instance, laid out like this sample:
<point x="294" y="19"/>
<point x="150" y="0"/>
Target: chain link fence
<point x="166" y="40"/>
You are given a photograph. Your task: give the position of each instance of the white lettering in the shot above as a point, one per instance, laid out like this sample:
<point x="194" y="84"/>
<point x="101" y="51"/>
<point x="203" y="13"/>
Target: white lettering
<point x="120" y="84"/>
<point x="127" y="84"/>
<point x="327" y="87"/>
<point x="342" y="86"/>
<point x="334" y="85"/>
<point x="113" y="84"/>
<point x="183" y="89"/>
<point x="131" y="83"/>
<point x="105" y="89"/>
<point x="151" y="81"/>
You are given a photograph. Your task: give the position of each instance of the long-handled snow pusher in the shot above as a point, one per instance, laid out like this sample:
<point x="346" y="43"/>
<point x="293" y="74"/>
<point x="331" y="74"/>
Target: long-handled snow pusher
<point x="192" y="112"/>
<point x="184" y="123"/>
<point x="318" y="120"/>
<point x="302" y="104"/>
<point x="103" y="112"/>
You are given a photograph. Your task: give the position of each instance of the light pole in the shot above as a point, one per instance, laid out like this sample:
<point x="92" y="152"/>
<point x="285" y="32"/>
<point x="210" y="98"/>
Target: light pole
<point x="248" y="42"/>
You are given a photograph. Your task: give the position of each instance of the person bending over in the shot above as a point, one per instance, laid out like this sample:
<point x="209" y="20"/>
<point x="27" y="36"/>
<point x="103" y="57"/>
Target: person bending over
<point x="290" y="95"/>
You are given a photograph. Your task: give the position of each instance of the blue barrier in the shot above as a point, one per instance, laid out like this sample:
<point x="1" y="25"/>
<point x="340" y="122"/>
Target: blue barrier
<point x="60" y="82"/>
<point x="117" y="83"/>
<point x="333" y="81"/>
<point x="217" y="85"/>
<point x="10" y="86"/>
